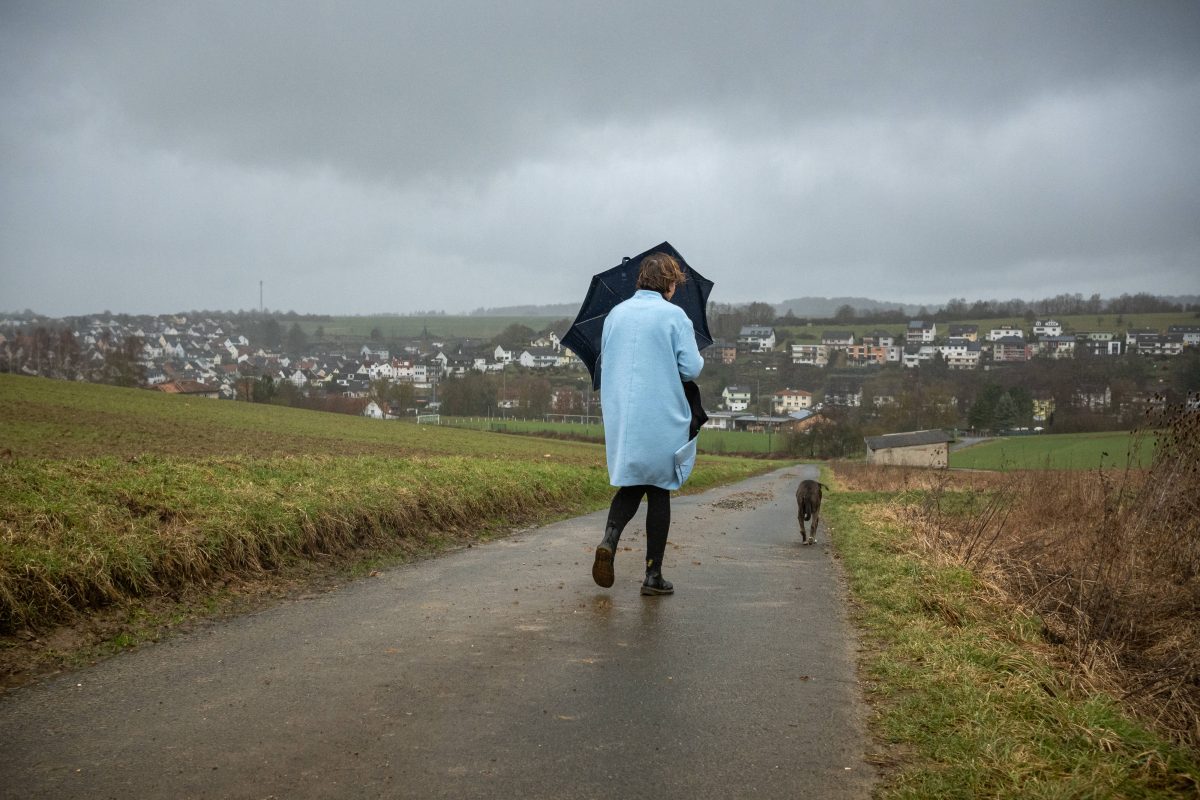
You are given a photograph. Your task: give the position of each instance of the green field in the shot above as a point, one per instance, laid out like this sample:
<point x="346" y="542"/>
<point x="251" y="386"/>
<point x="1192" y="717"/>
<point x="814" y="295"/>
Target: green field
<point x="714" y="442"/>
<point x="110" y="494"/>
<point x="1116" y="449"/>
<point x="396" y="327"/>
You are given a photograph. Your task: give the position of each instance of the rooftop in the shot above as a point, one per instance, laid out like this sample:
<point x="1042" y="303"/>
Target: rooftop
<point x="910" y="439"/>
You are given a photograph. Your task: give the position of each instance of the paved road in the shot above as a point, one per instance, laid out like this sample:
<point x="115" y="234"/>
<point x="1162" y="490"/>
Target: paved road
<point x="494" y="671"/>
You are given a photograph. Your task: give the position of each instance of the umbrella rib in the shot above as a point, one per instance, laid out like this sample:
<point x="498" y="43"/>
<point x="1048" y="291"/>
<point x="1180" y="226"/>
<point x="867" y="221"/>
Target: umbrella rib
<point x="590" y="319"/>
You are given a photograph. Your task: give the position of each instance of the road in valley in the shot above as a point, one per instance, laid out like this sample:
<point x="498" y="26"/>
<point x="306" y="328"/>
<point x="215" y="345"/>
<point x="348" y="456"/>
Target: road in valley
<point x="497" y="671"/>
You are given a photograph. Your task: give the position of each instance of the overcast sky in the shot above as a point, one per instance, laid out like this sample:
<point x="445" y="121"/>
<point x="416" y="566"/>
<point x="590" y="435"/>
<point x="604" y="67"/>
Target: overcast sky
<point x="391" y="156"/>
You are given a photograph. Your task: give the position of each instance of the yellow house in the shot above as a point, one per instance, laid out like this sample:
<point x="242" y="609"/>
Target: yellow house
<point x="1043" y="407"/>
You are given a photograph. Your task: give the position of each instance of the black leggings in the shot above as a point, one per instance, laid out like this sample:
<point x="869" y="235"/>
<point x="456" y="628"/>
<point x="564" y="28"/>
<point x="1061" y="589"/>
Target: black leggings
<point x="658" y="518"/>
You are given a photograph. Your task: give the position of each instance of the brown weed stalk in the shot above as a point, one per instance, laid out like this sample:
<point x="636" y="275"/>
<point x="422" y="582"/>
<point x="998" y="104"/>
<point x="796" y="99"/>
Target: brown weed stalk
<point x="1108" y="560"/>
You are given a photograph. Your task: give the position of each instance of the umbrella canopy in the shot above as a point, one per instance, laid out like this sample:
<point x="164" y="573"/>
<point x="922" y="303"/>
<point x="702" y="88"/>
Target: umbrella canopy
<point x="619" y="284"/>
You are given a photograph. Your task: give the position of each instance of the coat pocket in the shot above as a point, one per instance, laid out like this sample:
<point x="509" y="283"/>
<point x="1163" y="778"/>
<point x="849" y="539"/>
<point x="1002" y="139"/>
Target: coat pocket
<point x="685" y="459"/>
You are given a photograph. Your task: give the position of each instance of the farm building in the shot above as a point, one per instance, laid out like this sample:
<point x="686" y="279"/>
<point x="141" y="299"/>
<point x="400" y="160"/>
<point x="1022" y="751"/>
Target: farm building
<point x="914" y="449"/>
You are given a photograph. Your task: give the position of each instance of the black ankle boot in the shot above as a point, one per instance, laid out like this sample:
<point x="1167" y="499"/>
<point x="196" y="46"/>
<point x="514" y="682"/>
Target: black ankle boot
<point x="606" y="552"/>
<point x="654" y="583"/>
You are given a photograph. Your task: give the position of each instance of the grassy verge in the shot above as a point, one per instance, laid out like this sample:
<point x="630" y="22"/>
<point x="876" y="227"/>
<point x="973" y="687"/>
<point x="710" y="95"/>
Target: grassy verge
<point x="126" y="512"/>
<point x="970" y="700"/>
<point x="102" y="555"/>
<point x="80" y="535"/>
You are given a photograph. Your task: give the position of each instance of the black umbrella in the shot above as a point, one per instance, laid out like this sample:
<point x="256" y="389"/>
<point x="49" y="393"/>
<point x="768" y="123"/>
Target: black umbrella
<point x="619" y="284"/>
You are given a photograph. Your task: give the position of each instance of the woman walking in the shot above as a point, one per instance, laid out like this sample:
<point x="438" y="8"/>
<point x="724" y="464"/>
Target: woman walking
<point x="647" y="349"/>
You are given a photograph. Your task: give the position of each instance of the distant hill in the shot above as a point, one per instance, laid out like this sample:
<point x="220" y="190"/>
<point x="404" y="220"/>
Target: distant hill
<point x="1183" y="299"/>
<point x="801" y="307"/>
<point x="827" y="306"/>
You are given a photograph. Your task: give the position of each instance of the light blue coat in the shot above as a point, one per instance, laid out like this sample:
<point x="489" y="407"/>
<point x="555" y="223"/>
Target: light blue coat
<point x="646" y="347"/>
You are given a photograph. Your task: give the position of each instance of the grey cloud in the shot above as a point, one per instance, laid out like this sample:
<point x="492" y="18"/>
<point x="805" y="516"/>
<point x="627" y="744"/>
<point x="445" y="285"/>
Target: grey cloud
<point x="464" y="154"/>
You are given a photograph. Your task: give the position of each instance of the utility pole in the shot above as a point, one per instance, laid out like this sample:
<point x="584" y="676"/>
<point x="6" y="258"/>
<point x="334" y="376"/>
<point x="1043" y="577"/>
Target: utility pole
<point x="260" y="297"/>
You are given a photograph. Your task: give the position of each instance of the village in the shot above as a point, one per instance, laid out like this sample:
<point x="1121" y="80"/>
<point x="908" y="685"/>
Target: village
<point x="769" y="379"/>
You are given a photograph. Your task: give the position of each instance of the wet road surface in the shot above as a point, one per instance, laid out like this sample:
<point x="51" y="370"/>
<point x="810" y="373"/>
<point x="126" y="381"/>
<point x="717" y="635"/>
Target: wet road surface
<point x="494" y="671"/>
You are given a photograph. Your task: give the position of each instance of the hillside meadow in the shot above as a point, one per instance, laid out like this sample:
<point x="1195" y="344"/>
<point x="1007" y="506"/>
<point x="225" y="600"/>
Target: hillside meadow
<point x="436" y="325"/>
<point x="109" y="495"/>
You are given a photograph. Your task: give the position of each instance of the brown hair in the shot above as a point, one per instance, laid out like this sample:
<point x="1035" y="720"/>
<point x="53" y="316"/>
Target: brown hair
<point x="658" y="272"/>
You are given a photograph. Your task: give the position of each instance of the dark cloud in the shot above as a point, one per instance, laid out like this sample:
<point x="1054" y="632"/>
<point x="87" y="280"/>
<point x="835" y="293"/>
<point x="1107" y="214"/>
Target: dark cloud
<point x="393" y="156"/>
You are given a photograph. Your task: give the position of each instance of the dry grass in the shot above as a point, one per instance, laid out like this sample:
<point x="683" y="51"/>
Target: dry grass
<point x="859" y="476"/>
<point x="1108" y="560"/>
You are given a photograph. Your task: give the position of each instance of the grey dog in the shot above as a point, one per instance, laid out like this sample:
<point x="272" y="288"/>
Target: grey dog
<point x="808" y="498"/>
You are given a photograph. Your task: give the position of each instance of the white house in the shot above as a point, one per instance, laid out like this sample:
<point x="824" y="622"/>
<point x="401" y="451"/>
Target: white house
<point x="502" y="356"/>
<point x="920" y="332"/>
<point x="1190" y="334"/>
<point x="879" y="339"/>
<point x="723" y="420"/>
<point x="538" y="357"/>
<point x="375" y="354"/>
<point x="837" y="340"/>
<point x="735" y="398"/>
<point x="1005" y="332"/>
<point x="1170" y="344"/>
<point x="413" y="372"/>
<point x="915" y="356"/>
<point x="384" y="370"/>
<point x="1047" y="327"/>
<point x="843" y="392"/>
<point x="961" y="353"/>
<point x="1099" y="343"/>
<point x="1057" y="346"/>
<point x="815" y="354"/>
<point x="1132" y="334"/>
<point x="759" y="338"/>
